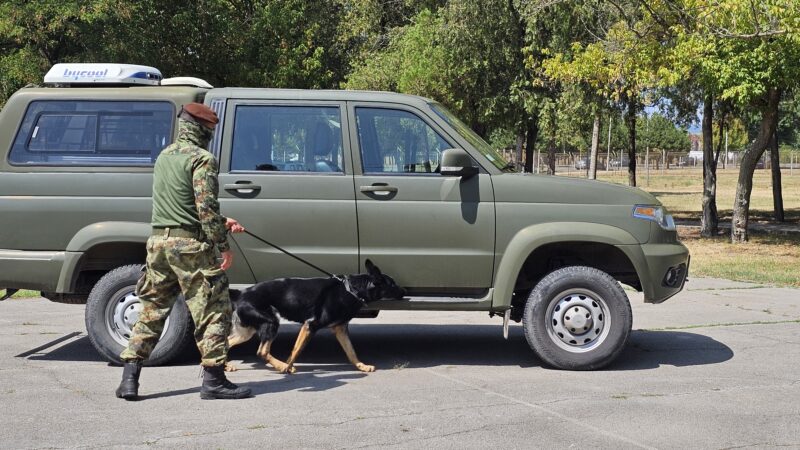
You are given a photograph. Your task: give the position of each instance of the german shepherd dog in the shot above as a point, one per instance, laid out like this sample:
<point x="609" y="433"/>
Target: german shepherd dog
<point x="314" y="302"/>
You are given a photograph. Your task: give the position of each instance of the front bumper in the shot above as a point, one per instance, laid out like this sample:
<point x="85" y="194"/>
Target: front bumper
<point x="653" y="262"/>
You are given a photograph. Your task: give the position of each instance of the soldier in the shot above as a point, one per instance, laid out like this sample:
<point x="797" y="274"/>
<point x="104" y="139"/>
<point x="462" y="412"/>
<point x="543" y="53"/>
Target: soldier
<point x="187" y="229"/>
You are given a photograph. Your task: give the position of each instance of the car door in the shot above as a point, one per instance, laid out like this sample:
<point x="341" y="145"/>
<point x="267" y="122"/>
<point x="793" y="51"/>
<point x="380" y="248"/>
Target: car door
<point x="286" y="176"/>
<point x="434" y="234"/>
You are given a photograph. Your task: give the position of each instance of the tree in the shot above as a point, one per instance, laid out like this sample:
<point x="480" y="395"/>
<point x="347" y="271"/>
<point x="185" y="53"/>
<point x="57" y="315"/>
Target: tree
<point x="263" y="43"/>
<point x="468" y="55"/>
<point x="662" y="134"/>
<point x="619" y="65"/>
<point x="414" y="62"/>
<point x="753" y="50"/>
<point x="34" y="35"/>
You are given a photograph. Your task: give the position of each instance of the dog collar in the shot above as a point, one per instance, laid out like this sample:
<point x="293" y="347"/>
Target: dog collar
<point x="346" y="282"/>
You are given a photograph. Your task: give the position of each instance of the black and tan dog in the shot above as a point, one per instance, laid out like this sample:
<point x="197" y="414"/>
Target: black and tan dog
<point x="314" y="302"/>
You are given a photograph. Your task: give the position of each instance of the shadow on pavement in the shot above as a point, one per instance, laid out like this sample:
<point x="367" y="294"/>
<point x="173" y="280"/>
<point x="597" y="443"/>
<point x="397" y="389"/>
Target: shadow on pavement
<point x="395" y="346"/>
<point x="652" y="349"/>
<point x="301" y="382"/>
<point x="79" y="349"/>
<point x="416" y="346"/>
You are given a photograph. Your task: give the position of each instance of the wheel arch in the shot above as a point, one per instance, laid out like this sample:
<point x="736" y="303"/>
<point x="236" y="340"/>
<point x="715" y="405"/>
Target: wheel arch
<point x="530" y="253"/>
<point x="99" y="248"/>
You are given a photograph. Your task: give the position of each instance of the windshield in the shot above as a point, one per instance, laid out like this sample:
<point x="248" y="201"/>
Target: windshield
<point x="472" y="137"/>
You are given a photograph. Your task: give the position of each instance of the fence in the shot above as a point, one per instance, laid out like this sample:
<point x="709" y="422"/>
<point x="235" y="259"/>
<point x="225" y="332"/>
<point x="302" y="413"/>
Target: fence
<point x="660" y="161"/>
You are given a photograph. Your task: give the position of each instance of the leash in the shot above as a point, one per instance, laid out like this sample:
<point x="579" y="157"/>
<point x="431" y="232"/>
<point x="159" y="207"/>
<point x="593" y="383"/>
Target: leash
<point x="291" y="254"/>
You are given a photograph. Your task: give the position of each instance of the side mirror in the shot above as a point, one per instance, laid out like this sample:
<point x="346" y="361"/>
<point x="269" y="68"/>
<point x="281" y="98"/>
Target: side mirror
<point x="456" y="162"/>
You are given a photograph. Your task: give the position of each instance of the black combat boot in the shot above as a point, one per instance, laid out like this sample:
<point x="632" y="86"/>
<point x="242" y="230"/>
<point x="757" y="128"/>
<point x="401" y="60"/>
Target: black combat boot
<point x="129" y="387"/>
<point x="215" y="385"/>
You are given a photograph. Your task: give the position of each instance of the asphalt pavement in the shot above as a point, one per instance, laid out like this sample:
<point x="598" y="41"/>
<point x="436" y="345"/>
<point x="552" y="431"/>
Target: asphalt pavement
<point x="714" y="367"/>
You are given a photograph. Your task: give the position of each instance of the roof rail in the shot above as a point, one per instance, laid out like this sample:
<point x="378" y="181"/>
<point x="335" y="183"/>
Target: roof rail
<point x="186" y="81"/>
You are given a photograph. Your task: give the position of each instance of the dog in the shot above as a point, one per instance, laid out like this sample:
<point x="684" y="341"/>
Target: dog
<point x="316" y="303"/>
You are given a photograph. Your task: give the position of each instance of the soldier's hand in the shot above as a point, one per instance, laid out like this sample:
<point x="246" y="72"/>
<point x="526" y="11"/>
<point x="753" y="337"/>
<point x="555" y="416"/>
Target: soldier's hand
<point x="227" y="260"/>
<point x="233" y="225"/>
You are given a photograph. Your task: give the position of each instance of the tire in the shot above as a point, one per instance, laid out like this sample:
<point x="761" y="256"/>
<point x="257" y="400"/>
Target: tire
<point x="109" y="319"/>
<point x="596" y="332"/>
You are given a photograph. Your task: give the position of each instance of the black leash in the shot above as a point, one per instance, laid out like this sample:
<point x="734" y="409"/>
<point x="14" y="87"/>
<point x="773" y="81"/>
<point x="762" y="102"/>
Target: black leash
<point x="290" y="254"/>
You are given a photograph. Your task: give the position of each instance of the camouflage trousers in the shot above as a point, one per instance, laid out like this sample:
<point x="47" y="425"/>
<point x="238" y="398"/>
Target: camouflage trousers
<point x="176" y="265"/>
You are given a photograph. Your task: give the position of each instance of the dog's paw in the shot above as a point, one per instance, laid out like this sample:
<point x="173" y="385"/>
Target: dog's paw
<point x="229" y="367"/>
<point x="287" y="369"/>
<point x="365" y="367"/>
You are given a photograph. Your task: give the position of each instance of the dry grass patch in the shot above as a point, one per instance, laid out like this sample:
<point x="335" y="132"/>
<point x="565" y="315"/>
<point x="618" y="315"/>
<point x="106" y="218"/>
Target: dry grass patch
<point x="681" y="191"/>
<point x="766" y="258"/>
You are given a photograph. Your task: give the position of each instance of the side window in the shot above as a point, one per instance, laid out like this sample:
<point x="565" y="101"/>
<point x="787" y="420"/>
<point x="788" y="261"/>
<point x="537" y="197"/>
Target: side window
<point x="395" y="141"/>
<point x="92" y="133"/>
<point x="287" y="139"/>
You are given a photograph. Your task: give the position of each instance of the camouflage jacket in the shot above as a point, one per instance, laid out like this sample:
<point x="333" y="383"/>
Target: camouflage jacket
<point x="185" y="186"/>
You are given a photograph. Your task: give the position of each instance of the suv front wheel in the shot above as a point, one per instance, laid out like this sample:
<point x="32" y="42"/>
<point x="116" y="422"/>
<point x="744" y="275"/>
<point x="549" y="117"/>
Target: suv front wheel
<point x="577" y="318"/>
<point x="112" y="309"/>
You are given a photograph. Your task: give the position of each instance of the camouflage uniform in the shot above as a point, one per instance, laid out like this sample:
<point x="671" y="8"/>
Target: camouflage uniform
<point x="185" y="189"/>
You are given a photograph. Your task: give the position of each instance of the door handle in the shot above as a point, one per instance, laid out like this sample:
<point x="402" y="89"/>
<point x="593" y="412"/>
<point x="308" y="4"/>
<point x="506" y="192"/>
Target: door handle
<point x="246" y="186"/>
<point x="378" y="189"/>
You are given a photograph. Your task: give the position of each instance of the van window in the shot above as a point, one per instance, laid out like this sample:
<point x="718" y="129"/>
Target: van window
<point x="93" y="133"/>
<point x="287" y="139"/>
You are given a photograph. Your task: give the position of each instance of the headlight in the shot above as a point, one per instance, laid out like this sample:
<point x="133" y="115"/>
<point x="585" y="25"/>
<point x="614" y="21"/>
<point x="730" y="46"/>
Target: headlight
<point x="657" y="214"/>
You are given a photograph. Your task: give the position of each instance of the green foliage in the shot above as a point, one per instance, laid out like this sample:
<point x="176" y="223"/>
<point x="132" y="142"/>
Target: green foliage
<point x="467" y="55"/>
<point x="502" y="138"/>
<point x="34" y="35"/>
<point x="789" y="121"/>
<point x="498" y="64"/>
<point x="414" y="62"/>
<point x="264" y="43"/>
<point x="659" y="133"/>
<point x="741" y="48"/>
<point x="738" y="138"/>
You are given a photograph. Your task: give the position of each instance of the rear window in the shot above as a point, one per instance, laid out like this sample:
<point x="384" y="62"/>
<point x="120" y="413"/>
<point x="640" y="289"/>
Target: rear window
<point x="93" y="133"/>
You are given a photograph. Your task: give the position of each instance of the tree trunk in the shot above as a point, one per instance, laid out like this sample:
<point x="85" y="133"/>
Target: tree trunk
<point x="631" y="119"/>
<point x="777" y="191"/>
<point x="608" y="151"/>
<point x="595" y="143"/>
<point x="518" y="148"/>
<point x="747" y="165"/>
<point x="719" y="143"/>
<point x="551" y="150"/>
<point x="533" y="133"/>
<point x="710" y="220"/>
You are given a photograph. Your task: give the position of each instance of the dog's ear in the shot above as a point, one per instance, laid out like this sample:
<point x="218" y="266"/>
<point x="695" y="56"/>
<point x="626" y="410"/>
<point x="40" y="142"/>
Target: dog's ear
<point x="372" y="269"/>
<point x="234" y="294"/>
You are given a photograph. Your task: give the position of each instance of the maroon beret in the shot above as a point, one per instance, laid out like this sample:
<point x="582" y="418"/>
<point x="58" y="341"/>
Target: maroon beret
<point x="202" y="113"/>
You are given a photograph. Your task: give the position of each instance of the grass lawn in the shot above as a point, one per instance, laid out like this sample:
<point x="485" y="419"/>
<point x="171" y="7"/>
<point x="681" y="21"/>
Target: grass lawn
<point x="24" y="293"/>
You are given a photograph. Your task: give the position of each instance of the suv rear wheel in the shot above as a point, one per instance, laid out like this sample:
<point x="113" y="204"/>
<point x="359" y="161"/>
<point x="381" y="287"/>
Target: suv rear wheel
<point x="577" y="318"/>
<point x="112" y="309"/>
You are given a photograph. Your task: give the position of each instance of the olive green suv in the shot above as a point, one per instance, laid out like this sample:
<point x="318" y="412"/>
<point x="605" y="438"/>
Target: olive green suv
<point x="334" y="177"/>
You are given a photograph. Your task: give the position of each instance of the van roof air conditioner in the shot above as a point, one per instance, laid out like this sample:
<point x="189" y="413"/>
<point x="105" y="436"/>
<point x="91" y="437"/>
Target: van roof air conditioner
<point x="69" y="74"/>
